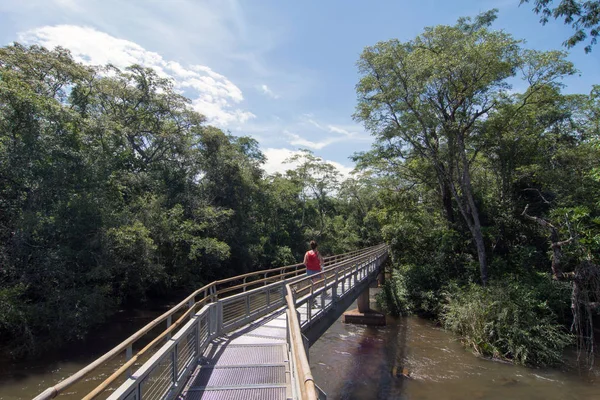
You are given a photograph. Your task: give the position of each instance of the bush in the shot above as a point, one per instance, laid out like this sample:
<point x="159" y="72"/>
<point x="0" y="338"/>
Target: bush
<point x="394" y="298"/>
<point x="506" y="320"/>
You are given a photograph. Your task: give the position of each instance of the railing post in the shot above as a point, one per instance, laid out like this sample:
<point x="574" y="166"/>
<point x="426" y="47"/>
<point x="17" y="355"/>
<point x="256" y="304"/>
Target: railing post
<point x="174" y="363"/>
<point x="309" y="302"/>
<point x="244" y="288"/>
<point x="268" y="298"/>
<point x="247" y="306"/>
<point x="198" y="337"/>
<point x="212" y="320"/>
<point x="219" y="318"/>
<point x="265" y="277"/>
<point x="334" y="294"/>
<point x="169" y="321"/>
<point x="191" y="304"/>
<point x="128" y="355"/>
<point x="213" y="293"/>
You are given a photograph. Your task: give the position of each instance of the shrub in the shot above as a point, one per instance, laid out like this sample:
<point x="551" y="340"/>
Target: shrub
<point x="394" y="298"/>
<point x="506" y="320"/>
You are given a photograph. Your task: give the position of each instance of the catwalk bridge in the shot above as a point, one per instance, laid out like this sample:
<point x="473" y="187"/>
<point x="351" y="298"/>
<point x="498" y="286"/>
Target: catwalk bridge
<point x="245" y="337"/>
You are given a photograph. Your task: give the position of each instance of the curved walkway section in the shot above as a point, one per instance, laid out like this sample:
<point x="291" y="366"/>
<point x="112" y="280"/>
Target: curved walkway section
<point x="237" y="341"/>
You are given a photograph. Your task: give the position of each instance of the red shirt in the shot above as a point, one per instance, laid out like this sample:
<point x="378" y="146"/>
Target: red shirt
<point x="312" y="260"/>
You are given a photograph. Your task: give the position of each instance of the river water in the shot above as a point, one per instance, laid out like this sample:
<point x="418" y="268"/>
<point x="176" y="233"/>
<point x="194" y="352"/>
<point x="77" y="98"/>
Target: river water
<point x="348" y="362"/>
<point x="26" y="379"/>
<point x="361" y="362"/>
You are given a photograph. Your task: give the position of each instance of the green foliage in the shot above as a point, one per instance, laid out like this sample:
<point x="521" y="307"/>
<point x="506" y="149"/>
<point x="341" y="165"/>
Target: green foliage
<point x="394" y="298"/>
<point x="113" y="191"/>
<point x="583" y="16"/>
<point x="506" y="320"/>
<point x="458" y="157"/>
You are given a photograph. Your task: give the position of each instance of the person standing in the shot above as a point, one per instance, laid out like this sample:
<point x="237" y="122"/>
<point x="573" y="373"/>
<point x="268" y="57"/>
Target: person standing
<point x="313" y="260"/>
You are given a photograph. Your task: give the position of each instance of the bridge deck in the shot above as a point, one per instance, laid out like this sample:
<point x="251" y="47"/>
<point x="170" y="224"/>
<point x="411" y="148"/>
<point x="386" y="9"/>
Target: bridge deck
<point x="250" y="363"/>
<point x="241" y="347"/>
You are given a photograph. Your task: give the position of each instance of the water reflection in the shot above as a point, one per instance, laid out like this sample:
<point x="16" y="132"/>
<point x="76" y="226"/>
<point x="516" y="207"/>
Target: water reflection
<point x="410" y="358"/>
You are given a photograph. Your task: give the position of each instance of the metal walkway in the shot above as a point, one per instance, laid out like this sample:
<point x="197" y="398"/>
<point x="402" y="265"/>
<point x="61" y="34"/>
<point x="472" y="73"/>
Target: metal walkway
<point x="246" y="341"/>
<point x="252" y="363"/>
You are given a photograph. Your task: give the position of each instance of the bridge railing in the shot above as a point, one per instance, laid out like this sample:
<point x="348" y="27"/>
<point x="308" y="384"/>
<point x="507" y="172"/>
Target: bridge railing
<point x="323" y="291"/>
<point x="186" y="310"/>
<point x="163" y="375"/>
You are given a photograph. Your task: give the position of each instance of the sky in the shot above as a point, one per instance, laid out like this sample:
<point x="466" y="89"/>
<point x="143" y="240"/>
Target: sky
<point x="282" y="72"/>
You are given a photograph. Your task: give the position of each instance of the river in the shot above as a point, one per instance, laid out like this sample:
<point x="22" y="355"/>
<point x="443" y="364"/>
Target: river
<point x="348" y="362"/>
<point x="26" y="379"/>
<point x="361" y="362"/>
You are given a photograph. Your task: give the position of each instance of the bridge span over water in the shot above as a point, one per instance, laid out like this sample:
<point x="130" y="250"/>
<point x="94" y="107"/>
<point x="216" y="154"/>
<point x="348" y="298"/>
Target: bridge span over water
<point x="245" y="337"/>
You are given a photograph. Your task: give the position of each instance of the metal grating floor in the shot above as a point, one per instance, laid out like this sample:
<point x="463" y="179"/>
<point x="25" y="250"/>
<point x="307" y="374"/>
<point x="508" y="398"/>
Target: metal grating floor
<point x="249" y="364"/>
<point x="238" y="394"/>
<point x="241" y="376"/>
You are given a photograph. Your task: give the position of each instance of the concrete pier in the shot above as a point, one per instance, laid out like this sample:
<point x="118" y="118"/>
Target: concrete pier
<point x="364" y="315"/>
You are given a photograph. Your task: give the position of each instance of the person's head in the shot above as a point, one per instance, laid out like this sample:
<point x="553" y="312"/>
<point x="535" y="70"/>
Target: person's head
<point x="313" y="245"/>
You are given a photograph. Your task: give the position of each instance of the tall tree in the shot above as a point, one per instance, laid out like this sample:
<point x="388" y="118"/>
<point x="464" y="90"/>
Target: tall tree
<point x="427" y="99"/>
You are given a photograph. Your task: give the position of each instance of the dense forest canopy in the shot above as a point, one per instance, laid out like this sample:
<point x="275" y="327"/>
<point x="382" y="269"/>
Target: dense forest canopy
<point x="114" y="191"/>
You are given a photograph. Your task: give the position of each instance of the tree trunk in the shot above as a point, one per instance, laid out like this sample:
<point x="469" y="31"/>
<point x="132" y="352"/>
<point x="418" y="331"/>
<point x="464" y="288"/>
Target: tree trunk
<point x="447" y="203"/>
<point x="472" y="211"/>
<point x="481" y="254"/>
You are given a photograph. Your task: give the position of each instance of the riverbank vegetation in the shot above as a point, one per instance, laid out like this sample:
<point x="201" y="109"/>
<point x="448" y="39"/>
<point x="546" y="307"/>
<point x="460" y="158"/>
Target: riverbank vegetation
<point x="492" y="205"/>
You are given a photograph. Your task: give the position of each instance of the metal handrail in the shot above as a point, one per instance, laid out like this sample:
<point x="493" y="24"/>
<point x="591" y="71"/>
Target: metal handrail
<point x="306" y="381"/>
<point x="209" y="293"/>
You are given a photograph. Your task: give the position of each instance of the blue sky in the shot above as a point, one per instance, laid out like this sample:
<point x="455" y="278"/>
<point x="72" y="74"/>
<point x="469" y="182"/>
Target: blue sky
<point x="280" y="71"/>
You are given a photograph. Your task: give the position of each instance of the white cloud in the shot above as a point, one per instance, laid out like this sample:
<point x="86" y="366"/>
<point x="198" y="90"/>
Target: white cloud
<point x="276" y="162"/>
<point x="314" y="123"/>
<point x="265" y="89"/>
<point x="336" y="129"/>
<point x="296" y="140"/>
<point x="212" y="94"/>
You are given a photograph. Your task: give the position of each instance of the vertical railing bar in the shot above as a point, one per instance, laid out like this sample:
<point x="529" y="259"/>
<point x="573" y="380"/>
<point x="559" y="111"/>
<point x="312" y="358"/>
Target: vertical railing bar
<point x="128" y="355"/>
<point x="174" y="361"/>
<point x="169" y="321"/>
<point x="268" y="298"/>
<point x="247" y="306"/>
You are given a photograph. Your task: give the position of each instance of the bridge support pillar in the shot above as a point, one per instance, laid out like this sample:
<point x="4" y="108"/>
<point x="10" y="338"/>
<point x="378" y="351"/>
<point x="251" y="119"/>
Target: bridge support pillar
<point x="363" y="301"/>
<point x="363" y="314"/>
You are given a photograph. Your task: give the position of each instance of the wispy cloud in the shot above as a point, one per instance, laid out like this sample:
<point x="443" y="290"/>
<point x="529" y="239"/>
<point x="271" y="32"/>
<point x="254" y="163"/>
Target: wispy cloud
<point x="265" y="90"/>
<point x="212" y="94"/>
<point x="315" y="123"/>
<point x="336" y="129"/>
<point x="350" y="131"/>
<point x="297" y="140"/>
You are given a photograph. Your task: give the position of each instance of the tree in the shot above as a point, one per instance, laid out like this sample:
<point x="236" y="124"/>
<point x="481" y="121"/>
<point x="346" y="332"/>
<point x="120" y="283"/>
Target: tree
<point x="318" y="180"/>
<point x="428" y="98"/>
<point x="583" y="16"/>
